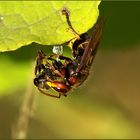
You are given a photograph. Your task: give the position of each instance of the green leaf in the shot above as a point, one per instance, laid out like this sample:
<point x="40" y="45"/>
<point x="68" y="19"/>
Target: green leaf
<point x="24" y="22"/>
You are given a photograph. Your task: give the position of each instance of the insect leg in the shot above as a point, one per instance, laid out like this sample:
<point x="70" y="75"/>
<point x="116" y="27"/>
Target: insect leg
<point x="66" y="12"/>
<point x="39" y="62"/>
<point x="45" y="93"/>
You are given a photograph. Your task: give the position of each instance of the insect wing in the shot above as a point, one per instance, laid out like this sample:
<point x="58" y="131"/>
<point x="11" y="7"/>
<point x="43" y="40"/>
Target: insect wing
<point x="91" y="48"/>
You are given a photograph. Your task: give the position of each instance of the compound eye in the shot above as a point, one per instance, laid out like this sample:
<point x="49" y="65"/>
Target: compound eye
<point x="36" y="82"/>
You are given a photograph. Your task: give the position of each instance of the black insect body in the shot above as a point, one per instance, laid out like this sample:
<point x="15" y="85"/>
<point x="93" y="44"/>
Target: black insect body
<point x="61" y="73"/>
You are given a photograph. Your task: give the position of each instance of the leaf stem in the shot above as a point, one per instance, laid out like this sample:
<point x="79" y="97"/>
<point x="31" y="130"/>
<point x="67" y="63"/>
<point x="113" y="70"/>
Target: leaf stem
<point x="20" y="129"/>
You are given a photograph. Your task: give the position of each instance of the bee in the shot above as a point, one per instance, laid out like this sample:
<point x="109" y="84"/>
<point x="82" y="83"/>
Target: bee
<point x="62" y="73"/>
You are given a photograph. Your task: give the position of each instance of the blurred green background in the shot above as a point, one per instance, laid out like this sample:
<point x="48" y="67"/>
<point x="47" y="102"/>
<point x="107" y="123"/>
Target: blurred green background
<point x="105" y="106"/>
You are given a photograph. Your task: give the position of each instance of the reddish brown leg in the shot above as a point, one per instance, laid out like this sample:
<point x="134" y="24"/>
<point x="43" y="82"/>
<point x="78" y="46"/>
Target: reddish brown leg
<point x="66" y="12"/>
<point x="49" y="94"/>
